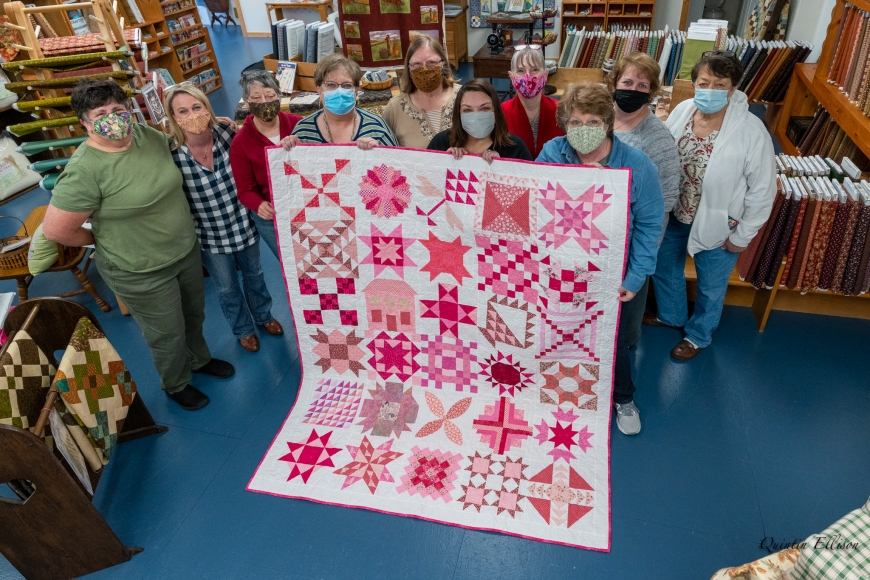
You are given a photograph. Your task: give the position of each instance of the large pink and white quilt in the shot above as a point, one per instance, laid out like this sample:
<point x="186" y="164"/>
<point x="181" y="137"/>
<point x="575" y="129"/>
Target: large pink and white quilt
<point x="457" y="327"/>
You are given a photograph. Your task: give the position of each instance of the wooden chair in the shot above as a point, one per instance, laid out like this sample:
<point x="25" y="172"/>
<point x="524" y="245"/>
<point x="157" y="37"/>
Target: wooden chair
<point x="68" y="259"/>
<point x="218" y="9"/>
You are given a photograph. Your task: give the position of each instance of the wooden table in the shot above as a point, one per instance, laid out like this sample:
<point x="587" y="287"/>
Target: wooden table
<point x="322" y="7"/>
<point x="492" y="66"/>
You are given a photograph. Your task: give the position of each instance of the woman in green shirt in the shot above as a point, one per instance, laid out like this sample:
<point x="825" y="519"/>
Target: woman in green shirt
<point x="124" y="180"/>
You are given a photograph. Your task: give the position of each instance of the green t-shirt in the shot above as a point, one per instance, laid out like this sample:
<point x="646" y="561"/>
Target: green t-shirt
<point x="141" y="219"/>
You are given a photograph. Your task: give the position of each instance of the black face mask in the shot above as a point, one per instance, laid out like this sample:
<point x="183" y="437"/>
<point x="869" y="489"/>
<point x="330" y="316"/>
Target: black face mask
<point x="630" y="101"/>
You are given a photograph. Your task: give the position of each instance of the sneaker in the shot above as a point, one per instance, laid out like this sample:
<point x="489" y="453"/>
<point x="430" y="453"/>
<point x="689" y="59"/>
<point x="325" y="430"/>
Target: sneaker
<point x="627" y="418"/>
<point x="217" y="368"/>
<point x="189" y="398"/>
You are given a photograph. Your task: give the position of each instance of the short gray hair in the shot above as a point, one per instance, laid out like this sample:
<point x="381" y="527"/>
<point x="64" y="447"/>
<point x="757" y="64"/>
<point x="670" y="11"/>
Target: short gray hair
<point x="537" y="57"/>
<point x="263" y="78"/>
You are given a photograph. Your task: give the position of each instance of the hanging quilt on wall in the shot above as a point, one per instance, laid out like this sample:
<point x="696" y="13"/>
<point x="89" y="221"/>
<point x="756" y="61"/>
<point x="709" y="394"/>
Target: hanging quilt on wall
<point x="456" y="322"/>
<point x="376" y="33"/>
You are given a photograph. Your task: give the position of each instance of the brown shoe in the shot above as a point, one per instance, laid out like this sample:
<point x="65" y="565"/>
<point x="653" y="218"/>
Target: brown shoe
<point x="685" y="350"/>
<point x="274" y="328"/>
<point x="650" y="319"/>
<point x="250" y="343"/>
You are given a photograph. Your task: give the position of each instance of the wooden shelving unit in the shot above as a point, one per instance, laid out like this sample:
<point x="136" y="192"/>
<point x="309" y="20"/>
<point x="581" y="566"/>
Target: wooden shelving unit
<point x="604" y="13"/>
<point x="162" y="51"/>
<point x="808" y="89"/>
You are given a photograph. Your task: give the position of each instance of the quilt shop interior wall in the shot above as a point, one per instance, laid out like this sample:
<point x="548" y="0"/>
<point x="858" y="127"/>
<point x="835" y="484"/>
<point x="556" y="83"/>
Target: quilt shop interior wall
<point x="257" y="23"/>
<point x="808" y="20"/>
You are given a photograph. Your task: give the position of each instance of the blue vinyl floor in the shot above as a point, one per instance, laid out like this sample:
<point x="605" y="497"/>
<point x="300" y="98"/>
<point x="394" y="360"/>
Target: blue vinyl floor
<point x="762" y="435"/>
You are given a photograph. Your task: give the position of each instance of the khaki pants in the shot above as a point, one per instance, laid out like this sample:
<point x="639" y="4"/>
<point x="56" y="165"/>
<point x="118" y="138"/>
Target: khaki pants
<point x="168" y="304"/>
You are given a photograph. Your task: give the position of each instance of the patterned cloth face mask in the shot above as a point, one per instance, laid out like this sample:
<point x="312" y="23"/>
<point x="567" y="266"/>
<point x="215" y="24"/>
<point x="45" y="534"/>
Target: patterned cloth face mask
<point x="586" y="139"/>
<point x="195" y="123"/>
<point x="115" y="126"/>
<point x="427" y="78"/>
<point x="528" y="85"/>
<point x="267" y="111"/>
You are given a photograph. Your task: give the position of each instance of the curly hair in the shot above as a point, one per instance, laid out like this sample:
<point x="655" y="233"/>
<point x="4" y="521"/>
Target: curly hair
<point x="587" y="98"/>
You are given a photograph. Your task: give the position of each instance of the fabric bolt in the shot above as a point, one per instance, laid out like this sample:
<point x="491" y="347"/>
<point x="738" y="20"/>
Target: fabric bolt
<point x="835" y="243"/>
<point x="859" y="241"/>
<point x="53" y="103"/>
<point x="855" y="206"/>
<point x="58" y="63"/>
<point x="518" y="123"/>
<point x="819" y="245"/>
<point x="794" y="209"/>
<point x="138" y="190"/>
<point x="248" y="160"/>
<point x="764" y="233"/>
<point x="802" y="254"/>
<point x="795" y="236"/>
<point x="61" y="82"/>
<point x="82" y="44"/>
<point x="223" y="225"/>
<point x="169" y="306"/>
<point x="517" y="150"/>
<point x="95" y="385"/>
<point x="370" y="125"/>
<point x="694" y="155"/>
<point x="864" y="275"/>
<point x="414" y="127"/>
<point x="242" y="309"/>
<point x="22" y="129"/>
<point x="765" y="263"/>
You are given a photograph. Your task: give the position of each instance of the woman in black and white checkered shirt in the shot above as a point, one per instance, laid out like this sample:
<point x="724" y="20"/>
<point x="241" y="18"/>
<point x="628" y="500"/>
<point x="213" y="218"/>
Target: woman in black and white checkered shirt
<point x="201" y="150"/>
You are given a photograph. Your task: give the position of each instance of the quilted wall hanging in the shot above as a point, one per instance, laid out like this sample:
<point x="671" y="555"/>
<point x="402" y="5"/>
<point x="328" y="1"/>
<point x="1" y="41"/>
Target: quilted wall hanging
<point x="456" y="322"/>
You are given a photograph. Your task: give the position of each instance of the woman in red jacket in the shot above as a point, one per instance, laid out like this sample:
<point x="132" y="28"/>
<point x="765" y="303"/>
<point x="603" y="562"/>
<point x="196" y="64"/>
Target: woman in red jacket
<point x="530" y="115"/>
<point x="266" y="126"/>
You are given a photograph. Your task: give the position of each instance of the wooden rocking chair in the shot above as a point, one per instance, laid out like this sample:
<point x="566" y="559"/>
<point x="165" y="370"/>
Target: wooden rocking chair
<point x="68" y="259"/>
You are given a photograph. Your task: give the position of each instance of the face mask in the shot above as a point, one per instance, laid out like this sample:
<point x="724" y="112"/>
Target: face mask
<point x="630" y="101"/>
<point x="427" y="78"/>
<point x="114" y="125"/>
<point x="586" y="139"/>
<point x="710" y="101"/>
<point x="267" y="111"/>
<point x="479" y="125"/>
<point x="339" y="101"/>
<point x="195" y="123"/>
<point x="528" y="85"/>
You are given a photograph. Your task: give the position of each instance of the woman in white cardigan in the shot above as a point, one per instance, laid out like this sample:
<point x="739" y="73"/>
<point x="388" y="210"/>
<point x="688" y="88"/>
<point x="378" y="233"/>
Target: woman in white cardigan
<point x="727" y="187"/>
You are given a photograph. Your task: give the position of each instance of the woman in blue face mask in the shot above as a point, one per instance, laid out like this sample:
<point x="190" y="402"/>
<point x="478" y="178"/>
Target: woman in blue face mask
<point x="341" y="121"/>
<point x="727" y="188"/>
<point x="479" y="127"/>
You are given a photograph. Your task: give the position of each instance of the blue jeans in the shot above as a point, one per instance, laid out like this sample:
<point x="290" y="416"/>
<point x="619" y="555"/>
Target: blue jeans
<point x="266" y="229"/>
<point x="714" y="267"/>
<point x="629" y="335"/>
<point x="222" y="268"/>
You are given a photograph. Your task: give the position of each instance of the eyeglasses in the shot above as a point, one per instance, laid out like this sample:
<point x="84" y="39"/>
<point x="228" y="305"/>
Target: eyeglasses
<point x="331" y="86"/>
<point x="722" y="53"/>
<point x="519" y="47"/>
<point x="428" y="64"/>
<point x="593" y="123"/>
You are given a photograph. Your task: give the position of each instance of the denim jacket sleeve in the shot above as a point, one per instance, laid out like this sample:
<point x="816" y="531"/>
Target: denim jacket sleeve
<point x="647" y="216"/>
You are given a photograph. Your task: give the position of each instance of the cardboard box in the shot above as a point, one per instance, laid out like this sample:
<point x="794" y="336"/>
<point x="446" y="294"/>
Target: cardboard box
<point x="304" y="72"/>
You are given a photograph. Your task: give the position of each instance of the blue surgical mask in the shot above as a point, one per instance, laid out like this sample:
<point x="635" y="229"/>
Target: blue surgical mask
<point x="479" y="125"/>
<point x="339" y="101"/>
<point x="710" y="101"/>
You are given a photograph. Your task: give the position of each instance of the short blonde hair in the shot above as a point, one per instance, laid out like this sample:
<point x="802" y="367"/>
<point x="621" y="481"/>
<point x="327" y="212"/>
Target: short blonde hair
<point x="406" y="85"/>
<point x="176" y="133"/>
<point x="644" y="64"/>
<point x="333" y="62"/>
<point x="587" y="98"/>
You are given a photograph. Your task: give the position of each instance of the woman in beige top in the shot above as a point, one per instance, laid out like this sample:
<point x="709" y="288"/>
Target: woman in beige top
<point x="425" y="105"/>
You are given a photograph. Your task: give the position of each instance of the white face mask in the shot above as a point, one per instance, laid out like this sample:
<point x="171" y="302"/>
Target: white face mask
<point x="479" y="125"/>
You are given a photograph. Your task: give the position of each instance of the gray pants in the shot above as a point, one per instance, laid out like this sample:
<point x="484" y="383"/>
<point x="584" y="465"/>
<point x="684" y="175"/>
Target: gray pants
<point x="169" y="306"/>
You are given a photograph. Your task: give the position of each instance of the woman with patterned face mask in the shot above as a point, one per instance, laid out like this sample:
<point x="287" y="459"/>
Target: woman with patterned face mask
<point x="424" y="106"/>
<point x="586" y="114"/>
<point x="227" y="235"/>
<point x="266" y="126"/>
<point x="531" y="115"/>
<point x="123" y="179"/>
<point x="479" y="127"/>
<point x="341" y="121"/>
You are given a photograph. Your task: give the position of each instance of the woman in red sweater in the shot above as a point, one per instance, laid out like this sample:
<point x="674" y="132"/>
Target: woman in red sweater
<point x="530" y="115"/>
<point x="266" y="126"/>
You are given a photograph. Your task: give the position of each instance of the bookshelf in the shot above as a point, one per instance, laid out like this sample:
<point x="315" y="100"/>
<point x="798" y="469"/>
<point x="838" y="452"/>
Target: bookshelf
<point x="605" y="13"/>
<point x="173" y="31"/>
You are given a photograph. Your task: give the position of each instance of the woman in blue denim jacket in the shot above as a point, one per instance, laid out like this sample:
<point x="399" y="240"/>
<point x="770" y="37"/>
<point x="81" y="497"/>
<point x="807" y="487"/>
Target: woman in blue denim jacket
<point x="585" y="113"/>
